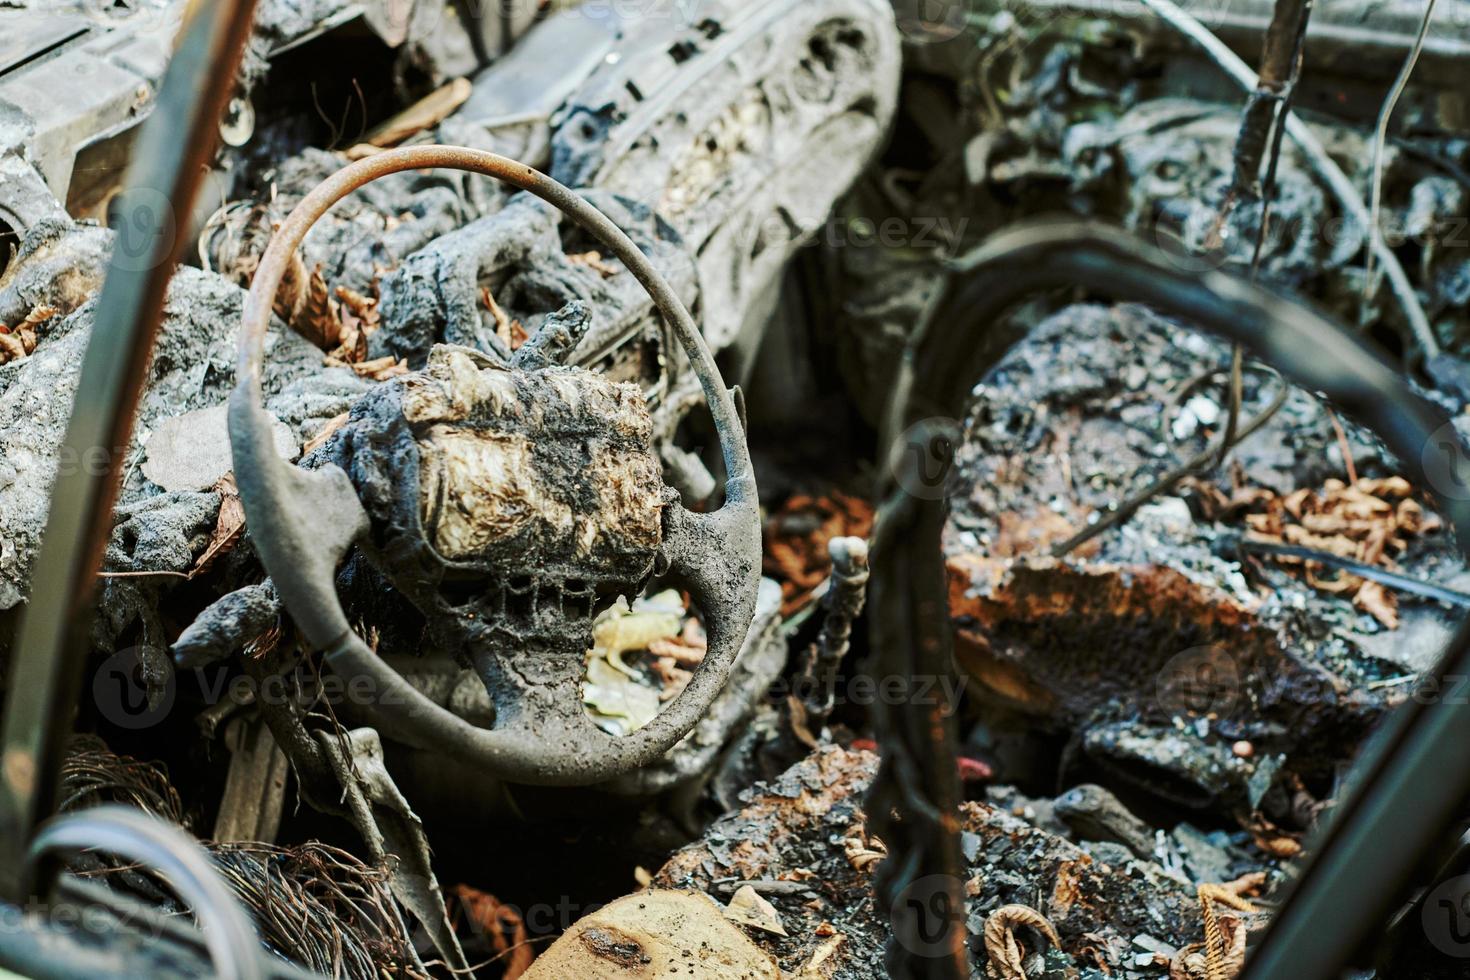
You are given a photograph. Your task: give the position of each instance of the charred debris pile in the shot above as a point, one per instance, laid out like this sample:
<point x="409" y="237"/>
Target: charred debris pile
<point x="608" y="561"/>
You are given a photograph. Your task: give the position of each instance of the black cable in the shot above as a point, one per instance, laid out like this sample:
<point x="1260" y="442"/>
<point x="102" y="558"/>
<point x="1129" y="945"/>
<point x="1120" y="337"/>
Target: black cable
<point x="1401" y="583"/>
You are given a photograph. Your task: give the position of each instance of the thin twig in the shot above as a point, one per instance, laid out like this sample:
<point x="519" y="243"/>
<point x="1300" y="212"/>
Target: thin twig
<point x="145" y="574"/>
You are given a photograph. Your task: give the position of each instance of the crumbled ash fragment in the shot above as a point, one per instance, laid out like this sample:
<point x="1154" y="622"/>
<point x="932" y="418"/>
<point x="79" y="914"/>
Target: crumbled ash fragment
<point x="193" y="367"/>
<point x="791" y="840"/>
<point x="1154" y="645"/>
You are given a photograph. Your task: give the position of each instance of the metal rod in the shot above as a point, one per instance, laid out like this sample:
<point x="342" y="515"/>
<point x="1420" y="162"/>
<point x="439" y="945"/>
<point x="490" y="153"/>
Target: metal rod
<point x="176" y="143"/>
<point x="1342" y="188"/>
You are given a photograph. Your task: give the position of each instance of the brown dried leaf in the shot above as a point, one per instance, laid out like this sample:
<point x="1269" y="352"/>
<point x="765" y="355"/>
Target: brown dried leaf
<point x="1393" y="487"/>
<point x="797" y="536"/>
<point x="365" y="308"/>
<point x="12" y="348"/>
<point x="381" y="369"/>
<point x="1247" y="885"/>
<point x="1296" y="502"/>
<point x="748" y="908"/>
<point x="1379" y="603"/>
<point x="502" y="320"/>
<point x="595" y="262"/>
<point x="862" y="851"/>
<point x="1224" y="936"/>
<point x="503" y="924"/>
<point x="678" y="651"/>
<point x="673" y="678"/>
<point x="291" y="296"/>
<point x="38" y="315"/>
<point x="228" y="526"/>
<point x="1006" y="955"/>
<point x="1281" y="846"/>
<point x="317" y="318"/>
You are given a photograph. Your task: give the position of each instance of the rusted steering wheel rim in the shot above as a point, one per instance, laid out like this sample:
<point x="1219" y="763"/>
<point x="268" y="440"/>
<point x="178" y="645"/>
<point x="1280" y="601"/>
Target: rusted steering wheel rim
<point x="290" y="547"/>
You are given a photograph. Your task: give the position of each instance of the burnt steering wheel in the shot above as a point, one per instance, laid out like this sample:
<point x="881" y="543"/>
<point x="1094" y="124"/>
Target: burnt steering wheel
<point x="304" y="522"/>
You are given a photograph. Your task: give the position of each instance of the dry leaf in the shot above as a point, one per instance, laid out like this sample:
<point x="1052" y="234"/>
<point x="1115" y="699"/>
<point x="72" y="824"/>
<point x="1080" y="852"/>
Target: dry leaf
<point x="19" y="343"/>
<point x="291" y="295"/>
<point x="228" y="526"/>
<point x="1368" y="521"/>
<point x="1246" y="885"/>
<point x="1224" y="937"/>
<point x="680" y="652"/>
<point x="511" y="333"/>
<point x="748" y="908"/>
<point x="797" y="536"/>
<point x="1005" y="953"/>
<point x="812" y="968"/>
<point x="11" y="347"/>
<point x="317" y="320"/>
<point x="503" y="924"/>
<point x="381" y="369"/>
<point x="595" y="262"/>
<point x="365" y="308"/>
<point x="862" y="851"/>
<point x="1379" y="603"/>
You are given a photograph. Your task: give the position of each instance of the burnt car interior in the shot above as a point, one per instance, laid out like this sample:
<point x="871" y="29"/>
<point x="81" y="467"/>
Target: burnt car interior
<point x="765" y="490"/>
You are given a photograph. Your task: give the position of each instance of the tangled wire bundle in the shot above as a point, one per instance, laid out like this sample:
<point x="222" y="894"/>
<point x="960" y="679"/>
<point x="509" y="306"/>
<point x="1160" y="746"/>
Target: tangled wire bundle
<point x="93" y="774"/>
<point x="320" y="907"/>
<point x="315" y="905"/>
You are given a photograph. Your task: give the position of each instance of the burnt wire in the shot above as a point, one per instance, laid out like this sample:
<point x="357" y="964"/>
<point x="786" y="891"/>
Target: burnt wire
<point x="1401" y="800"/>
<point x="1321" y="161"/>
<point x="1201" y="462"/>
<point x="1380" y="137"/>
<point x="1259" y="126"/>
<point x="93" y="775"/>
<point x="314" y="905"/>
<point x="320" y="907"/>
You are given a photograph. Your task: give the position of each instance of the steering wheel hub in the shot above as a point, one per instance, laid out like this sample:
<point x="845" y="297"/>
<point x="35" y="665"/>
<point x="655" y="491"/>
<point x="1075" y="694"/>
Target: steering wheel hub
<point x="509" y="500"/>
